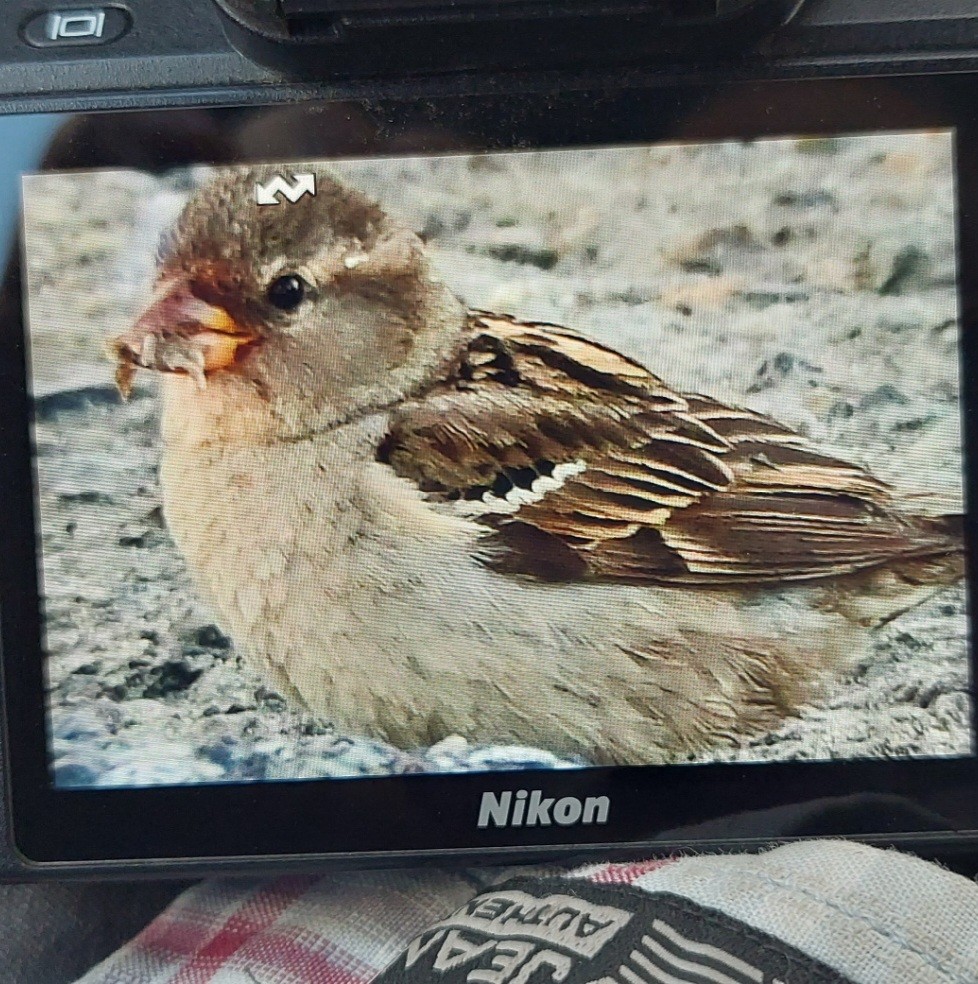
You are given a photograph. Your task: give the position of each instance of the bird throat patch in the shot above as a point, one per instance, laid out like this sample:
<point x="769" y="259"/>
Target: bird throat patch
<point x="538" y="931"/>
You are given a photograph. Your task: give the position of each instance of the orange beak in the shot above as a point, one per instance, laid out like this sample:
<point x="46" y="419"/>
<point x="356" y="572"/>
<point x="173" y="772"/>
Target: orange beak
<point x="179" y="333"/>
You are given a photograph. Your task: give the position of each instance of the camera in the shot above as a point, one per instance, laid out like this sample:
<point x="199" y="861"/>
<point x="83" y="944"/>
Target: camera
<point x="484" y="430"/>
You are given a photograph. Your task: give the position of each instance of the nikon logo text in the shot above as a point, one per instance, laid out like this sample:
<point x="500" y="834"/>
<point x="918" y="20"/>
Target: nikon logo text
<point x="533" y="809"/>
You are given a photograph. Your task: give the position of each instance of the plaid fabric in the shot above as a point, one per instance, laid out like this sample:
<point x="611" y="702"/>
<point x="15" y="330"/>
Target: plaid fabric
<point x="871" y="917"/>
<point x="339" y="929"/>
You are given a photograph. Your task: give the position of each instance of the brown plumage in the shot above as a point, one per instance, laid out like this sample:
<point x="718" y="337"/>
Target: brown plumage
<point x="675" y="488"/>
<point x="422" y="521"/>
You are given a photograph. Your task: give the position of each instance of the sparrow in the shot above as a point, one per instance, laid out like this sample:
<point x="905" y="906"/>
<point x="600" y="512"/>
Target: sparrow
<point x="420" y="520"/>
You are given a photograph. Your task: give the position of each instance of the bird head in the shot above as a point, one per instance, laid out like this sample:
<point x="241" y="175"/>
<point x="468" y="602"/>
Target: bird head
<point x="323" y="308"/>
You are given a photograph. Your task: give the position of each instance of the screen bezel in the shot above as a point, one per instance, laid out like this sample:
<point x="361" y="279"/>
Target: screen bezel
<point x="429" y="814"/>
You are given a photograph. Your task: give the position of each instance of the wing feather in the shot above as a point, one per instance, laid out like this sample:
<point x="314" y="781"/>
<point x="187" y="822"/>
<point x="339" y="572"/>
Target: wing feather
<point x="582" y="463"/>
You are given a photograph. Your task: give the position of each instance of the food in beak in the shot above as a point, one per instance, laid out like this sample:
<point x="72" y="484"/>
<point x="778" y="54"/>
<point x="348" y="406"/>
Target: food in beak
<point x="178" y="333"/>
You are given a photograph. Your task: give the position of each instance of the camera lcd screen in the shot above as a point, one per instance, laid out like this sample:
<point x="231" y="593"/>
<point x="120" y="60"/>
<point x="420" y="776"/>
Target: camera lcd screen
<point x="632" y="455"/>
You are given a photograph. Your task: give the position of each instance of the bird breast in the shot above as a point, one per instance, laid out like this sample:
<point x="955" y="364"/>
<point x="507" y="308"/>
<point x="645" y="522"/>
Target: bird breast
<point x="347" y="590"/>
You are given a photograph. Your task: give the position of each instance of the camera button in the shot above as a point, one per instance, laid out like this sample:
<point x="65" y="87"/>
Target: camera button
<point x="76" y="26"/>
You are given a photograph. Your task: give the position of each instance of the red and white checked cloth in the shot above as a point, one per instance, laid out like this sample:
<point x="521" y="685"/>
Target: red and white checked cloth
<point x="825" y="912"/>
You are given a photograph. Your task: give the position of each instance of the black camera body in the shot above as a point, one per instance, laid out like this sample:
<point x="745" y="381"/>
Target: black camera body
<point x="810" y="266"/>
<point x="224" y="53"/>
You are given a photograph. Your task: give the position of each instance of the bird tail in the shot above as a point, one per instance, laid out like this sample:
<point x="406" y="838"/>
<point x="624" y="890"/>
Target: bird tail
<point x="876" y="596"/>
<point x="949" y="528"/>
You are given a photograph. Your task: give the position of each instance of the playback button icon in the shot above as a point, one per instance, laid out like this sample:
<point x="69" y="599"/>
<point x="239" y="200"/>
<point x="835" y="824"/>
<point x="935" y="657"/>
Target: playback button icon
<point x="72" y="27"/>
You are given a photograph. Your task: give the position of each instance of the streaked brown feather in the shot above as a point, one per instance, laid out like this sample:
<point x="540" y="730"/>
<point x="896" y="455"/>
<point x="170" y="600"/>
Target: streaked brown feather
<point x="671" y="488"/>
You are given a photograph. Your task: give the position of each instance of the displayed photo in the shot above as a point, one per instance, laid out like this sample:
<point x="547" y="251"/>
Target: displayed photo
<point x="644" y="455"/>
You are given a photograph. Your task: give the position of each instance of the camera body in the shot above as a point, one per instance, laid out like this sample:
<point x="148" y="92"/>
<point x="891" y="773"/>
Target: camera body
<point x="161" y="88"/>
<point x="177" y="53"/>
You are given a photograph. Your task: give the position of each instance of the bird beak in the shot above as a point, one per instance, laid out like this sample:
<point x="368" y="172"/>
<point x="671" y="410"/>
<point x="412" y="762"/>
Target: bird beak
<point x="178" y="333"/>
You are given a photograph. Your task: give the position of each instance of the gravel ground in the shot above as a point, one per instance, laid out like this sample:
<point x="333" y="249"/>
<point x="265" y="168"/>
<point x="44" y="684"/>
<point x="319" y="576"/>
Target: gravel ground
<point x="811" y="279"/>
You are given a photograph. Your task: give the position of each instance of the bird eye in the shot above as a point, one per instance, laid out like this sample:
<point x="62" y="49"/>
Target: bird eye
<point x="287" y="292"/>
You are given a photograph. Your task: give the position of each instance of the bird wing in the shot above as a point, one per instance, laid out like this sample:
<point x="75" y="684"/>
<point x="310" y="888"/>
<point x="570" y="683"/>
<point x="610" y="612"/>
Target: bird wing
<point x="582" y="463"/>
